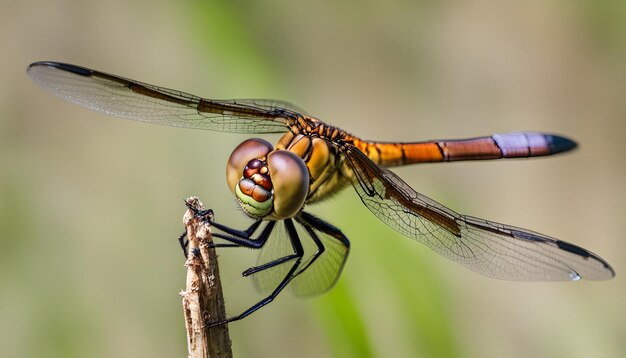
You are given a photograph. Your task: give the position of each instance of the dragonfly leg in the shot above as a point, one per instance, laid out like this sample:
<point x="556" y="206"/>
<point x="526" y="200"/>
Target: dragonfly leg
<point x="309" y="222"/>
<point x="238" y="238"/>
<point x="182" y="239"/>
<point x="242" y="234"/>
<point x="184" y="242"/>
<point x="224" y="245"/>
<point x="312" y="223"/>
<point x="270" y="264"/>
<point x="318" y="253"/>
<point x="298" y="253"/>
<point x="281" y="260"/>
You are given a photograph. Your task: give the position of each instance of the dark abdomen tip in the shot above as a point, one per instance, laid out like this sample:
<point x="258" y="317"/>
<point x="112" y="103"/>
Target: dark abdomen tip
<point x="558" y="144"/>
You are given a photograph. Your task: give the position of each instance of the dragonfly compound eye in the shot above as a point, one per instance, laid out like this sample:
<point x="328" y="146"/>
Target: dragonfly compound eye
<point x="248" y="178"/>
<point x="254" y="148"/>
<point x="290" y="178"/>
<point x="267" y="182"/>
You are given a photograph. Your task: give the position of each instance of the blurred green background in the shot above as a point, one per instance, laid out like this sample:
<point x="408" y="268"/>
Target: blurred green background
<point x="90" y="206"/>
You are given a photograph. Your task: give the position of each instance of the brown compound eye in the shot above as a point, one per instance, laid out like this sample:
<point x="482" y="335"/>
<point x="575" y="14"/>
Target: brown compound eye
<point x="290" y="177"/>
<point x="254" y="148"/>
<point x="248" y="177"/>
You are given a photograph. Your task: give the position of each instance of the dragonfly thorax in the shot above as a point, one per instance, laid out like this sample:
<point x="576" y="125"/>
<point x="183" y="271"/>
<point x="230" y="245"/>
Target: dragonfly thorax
<point x="268" y="183"/>
<point x="327" y="172"/>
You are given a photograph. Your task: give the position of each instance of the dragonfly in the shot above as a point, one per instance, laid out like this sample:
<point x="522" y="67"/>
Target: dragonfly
<point x="314" y="160"/>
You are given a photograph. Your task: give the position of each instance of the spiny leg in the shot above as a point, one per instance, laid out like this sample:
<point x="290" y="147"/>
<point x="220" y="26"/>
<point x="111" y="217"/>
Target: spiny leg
<point x="298" y="252"/>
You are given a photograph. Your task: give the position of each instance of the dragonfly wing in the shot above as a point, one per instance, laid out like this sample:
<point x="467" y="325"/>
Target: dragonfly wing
<point x="322" y="267"/>
<point x="318" y="271"/>
<point x="277" y="246"/>
<point x="488" y="248"/>
<point x="130" y="99"/>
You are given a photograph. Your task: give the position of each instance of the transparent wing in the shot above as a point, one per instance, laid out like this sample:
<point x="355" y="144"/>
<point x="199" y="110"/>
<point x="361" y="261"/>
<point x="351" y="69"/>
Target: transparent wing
<point x="125" y="98"/>
<point x="319" y="269"/>
<point x="277" y="245"/>
<point x="488" y="248"/>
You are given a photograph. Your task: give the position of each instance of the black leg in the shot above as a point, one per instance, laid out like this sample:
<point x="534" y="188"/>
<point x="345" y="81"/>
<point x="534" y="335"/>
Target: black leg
<point x="223" y="245"/>
<point x="242" y="234"/>
<point x="242" y="238"/>
<point x="197" y="212"/>
<point x="238" y="238"/>
<point x="320" y="248"/>
<point x="268" y="265"/>
<point x="281" y="260"/>
<point x="298" y="252"/>
<point x="312" y="223"/>
<point x="326" y="263"/>
<point x="182" y="240"/>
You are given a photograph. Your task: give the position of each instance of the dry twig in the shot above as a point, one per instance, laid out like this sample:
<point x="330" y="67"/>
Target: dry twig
<point x="203" y="300"/>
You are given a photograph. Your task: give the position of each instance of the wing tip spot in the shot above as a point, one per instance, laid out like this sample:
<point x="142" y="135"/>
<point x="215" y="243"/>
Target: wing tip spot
<point x="573" y="249"/>
<point x="61" y="66"/>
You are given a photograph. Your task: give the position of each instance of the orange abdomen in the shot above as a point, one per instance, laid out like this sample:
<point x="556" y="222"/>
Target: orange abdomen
<point x="508" y="145"/>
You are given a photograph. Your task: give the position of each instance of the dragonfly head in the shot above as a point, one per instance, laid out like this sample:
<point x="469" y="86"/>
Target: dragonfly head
<point x="268" y="183"/>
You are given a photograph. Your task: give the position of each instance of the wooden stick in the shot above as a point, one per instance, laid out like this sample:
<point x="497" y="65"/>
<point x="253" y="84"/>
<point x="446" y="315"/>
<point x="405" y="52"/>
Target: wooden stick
<point x="203" y="300"/>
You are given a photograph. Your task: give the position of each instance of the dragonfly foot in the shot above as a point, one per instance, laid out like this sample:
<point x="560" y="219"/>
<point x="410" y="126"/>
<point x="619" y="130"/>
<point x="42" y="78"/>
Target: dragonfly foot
<point x="182" y="240"/>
